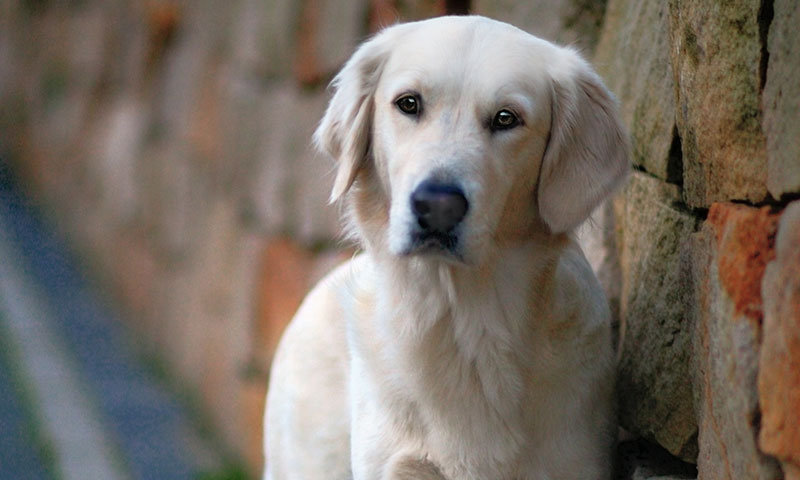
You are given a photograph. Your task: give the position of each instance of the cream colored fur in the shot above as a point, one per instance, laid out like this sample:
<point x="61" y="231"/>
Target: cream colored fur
<point x="493" y="364"/>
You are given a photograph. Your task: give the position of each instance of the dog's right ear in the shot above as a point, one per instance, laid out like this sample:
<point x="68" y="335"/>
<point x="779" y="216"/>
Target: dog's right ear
<point x="588" y="153"/>
<point x="345" y="130"/>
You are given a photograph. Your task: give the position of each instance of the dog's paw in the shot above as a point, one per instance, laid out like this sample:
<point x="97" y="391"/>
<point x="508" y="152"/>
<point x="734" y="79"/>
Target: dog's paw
<point x="407" y="467"/>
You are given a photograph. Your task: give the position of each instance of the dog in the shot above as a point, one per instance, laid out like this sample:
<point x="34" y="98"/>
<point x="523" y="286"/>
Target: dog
<point x="470" y="339"/>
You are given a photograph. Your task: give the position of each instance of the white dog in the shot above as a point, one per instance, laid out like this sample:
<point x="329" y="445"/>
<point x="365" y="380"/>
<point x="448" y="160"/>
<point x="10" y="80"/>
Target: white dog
<point x="471" y="339"/>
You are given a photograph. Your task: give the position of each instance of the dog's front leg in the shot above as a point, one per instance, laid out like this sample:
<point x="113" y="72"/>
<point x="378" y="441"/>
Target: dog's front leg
<point x="408" y="467"/>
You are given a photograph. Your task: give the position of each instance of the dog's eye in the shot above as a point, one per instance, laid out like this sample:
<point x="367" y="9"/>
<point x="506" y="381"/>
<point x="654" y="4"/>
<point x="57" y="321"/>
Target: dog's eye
<point x="504" y="120"/>
<point x="408" y="104"/>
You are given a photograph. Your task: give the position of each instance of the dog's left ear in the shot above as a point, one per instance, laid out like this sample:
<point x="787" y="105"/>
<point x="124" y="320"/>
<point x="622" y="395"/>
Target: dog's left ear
<point x="587" y="155"/>
<point x="344" y="132"/>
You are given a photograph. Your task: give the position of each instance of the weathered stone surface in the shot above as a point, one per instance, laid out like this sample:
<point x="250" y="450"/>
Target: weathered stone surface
<point x="251" y="415"/>
<point x="114" y="157"/>
<point x="388" y="12"/>
<point x="204" y="317"/>
<point x="779" y="369"/>
<point x="329" y="32"/>
<point x="290" y="183"/>
<point x="265" y="37"/>
<point x="729" y="255"/>
<point x="567" y="22"/>
<point x="781" y="100"/>
<point x="287" y="271"/>
<point x="716" y="58"/>
<point x="654" y="376"/>
<point x="633" y="59"/>
<point x="283" y="282"/>
<point x="640" y="460"/>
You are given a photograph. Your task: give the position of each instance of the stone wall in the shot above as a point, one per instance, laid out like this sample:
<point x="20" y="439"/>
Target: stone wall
<point x="706" y="230"/>
<point x="169" y="142"/>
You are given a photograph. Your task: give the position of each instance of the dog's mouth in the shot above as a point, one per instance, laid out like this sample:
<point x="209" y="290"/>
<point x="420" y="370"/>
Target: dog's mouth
<point x="436" y="244"/>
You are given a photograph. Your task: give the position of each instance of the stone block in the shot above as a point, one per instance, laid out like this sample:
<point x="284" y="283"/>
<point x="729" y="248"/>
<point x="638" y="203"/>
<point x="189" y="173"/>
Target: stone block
<point x="328" y="33"/>
<point x="654" y="375"/>
<point x="640" y="460"/>
<point x="205" y="315"/>
<point x="178" y="87"/>
<point x="287" y="271"/>
<point x="113" y="158"/>
<point x="716" y="58"/>
<point x="88" y="41"/>
<point x="633" y="59"/>
<point x="290" y="184"/>
<point x="729" y="255"/>
<point x="779" y="369"/>
<point x="251" y="417"/>
<point x="265" y="38"/>
<point x="282" y="284"/>
<point x="563" y="21"/>
<point x="781" y="100"/>
<point x="388" y="12"/>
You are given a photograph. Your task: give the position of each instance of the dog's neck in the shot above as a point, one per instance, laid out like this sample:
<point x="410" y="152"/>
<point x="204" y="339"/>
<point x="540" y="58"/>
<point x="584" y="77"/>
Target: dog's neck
<point x="431" y="290"/>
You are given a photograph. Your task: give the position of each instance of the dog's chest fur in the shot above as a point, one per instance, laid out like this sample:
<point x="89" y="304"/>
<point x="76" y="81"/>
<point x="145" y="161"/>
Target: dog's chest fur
<point x="461" y="375"/>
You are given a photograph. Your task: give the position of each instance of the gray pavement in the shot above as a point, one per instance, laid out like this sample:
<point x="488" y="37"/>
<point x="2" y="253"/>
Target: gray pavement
<point x="76" y="401"/>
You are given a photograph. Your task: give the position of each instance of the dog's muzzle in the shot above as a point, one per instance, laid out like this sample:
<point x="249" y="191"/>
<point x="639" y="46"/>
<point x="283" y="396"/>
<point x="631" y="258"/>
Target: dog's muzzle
<point x="438" y="208"/>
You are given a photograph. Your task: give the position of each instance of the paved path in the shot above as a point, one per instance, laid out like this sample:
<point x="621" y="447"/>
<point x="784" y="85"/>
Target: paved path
<point x="76" y="402"/>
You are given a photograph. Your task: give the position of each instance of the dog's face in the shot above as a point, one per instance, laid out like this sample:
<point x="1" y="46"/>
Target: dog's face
<point x="463" y="135"/>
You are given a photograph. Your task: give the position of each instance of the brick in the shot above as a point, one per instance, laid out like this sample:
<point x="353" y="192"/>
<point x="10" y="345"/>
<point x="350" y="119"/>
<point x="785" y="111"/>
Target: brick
<point x="781" y="100"/>
<point x="289" y="185"/>
<point x="779" y="373"/>
<point x="745" y="239"/>
<point x="716" y="57"/>
<point x="563" y="21"/>
<point x="253" y="400"/>
<point x="728" y="259"/>
<point x="288" y="270"/>
<point x="633" y="59"/>
<point x="654" y="375"/>
<point x="265" y="38"/>
<point x="328" y="34"/>
<point x="283" y="282"/>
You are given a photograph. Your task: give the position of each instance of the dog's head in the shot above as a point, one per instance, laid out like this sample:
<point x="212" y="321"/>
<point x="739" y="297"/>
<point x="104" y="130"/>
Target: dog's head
<point x="459" y="135"/>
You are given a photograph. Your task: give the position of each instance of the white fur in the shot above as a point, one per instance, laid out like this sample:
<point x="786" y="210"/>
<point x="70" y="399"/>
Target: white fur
<point x="492" y="363"/>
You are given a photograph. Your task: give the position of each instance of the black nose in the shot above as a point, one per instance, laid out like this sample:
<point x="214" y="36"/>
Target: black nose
<point x="439" y="207"/>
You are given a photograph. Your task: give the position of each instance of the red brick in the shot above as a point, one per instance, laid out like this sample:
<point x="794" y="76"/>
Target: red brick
<point x="382" y="13"/>
<point x="251" y="415"/>
<point x="779" y="373"/>
<point x="328" y="33"/>
<point x="288" y="272"/>
<point x="307" y="70"/>
<point x="282" y="285"/>
<point x="163" y="19"/>
<point x="745" y="242"/>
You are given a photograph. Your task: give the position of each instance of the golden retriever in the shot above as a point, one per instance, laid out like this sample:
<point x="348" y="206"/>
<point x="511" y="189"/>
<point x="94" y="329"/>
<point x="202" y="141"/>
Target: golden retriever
<point x="470" y="339"/>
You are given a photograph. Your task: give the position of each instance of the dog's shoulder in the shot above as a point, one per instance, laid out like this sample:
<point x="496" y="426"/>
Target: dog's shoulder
<point x="340" y="291"/>
<point x="320" y="326"/>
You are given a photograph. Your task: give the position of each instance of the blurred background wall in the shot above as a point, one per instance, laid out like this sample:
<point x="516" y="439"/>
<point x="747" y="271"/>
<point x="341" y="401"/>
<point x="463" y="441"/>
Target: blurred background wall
<point x="169" y="142"/>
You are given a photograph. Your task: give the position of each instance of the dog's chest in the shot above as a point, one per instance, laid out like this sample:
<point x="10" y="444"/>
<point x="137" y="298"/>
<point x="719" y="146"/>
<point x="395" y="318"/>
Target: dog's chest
<point x="463" y="367"/>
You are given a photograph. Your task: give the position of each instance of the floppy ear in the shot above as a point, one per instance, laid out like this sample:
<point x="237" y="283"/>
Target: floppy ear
<point x="587" y="155"/>
<point x="345" y="130"/>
